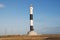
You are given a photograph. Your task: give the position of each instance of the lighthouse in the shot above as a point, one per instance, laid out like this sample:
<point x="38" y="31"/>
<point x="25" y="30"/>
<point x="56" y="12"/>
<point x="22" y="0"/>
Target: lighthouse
<point x="31" y="18"/>
<point x="31" y="32"/>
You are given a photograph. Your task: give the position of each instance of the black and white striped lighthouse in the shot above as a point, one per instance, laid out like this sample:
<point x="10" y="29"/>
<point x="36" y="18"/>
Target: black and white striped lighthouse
<point x="31" y="18"/>
<point x="31" y="32"/>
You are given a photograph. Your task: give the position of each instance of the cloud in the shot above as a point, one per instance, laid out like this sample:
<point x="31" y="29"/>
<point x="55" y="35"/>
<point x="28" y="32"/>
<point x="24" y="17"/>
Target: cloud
<point x="1" y="6"/>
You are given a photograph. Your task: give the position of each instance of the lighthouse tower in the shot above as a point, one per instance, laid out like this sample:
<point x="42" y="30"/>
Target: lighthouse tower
<point x="31" y="32"/>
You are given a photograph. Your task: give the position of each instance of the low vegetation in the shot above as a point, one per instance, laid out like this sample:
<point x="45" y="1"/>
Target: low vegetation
<point x="25" y="37"/>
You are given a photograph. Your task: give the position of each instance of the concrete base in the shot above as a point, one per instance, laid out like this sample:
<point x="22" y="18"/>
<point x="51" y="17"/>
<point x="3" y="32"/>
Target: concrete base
<point x="32" y="33"/>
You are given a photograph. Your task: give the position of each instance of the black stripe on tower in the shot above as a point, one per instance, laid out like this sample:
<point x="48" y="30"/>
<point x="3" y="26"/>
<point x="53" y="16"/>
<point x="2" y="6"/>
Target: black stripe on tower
<point x="31" y="16"/>
<point x="31" y="28"/>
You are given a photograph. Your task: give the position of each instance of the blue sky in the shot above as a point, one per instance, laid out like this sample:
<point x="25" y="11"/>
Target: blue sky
<point x="14" y="17"/>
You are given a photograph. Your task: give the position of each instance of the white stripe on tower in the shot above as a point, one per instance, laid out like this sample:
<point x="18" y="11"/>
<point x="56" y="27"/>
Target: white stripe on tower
<point x="31" y="18"/>
<point x="31" y="22"/>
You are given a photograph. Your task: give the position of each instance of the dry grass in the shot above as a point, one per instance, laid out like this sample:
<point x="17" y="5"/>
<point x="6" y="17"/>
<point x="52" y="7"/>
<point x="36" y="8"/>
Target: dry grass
<point x="38" y="37"/>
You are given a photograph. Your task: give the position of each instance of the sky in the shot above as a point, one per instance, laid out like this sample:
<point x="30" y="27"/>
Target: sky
<point x="14" y="16"/>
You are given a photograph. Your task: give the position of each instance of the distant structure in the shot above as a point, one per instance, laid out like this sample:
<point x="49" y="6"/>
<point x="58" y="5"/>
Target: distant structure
<point x="31" y="32"/>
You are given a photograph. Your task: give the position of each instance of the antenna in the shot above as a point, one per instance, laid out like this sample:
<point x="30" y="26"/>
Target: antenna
<point x="30" y="5"/>
<point x="5" y="30"/>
